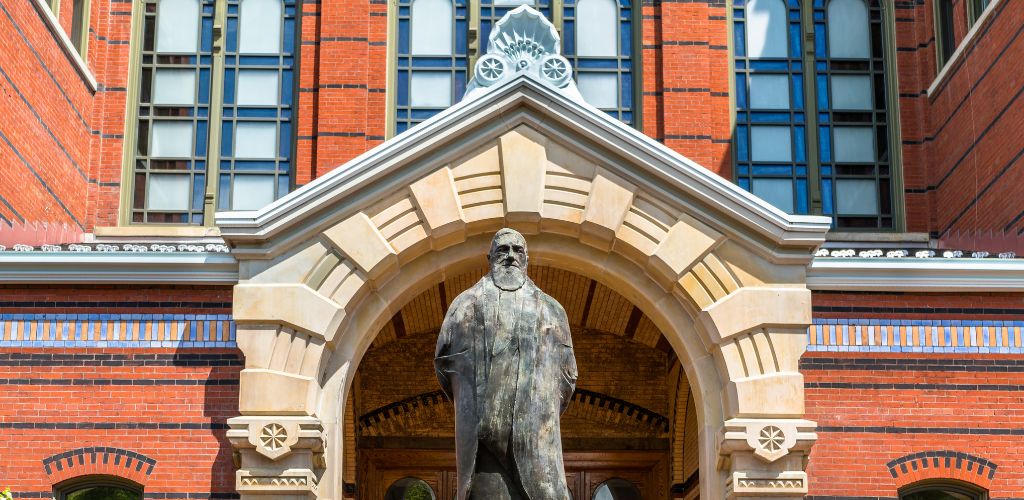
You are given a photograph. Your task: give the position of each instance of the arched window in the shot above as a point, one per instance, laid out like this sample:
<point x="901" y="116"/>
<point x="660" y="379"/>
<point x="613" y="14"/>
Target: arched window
<point x="771" y="132"/>
<point x="766" y="29"/>
<point x="848" y="36"/>
<point x="410" y="488"/>
<point x="835" y="161"/>
<point x="617" y="489"/>
<point x="433" y="53"/>
<point x="853" y="134"/>
<point x="942" y="490"/>
<point x="432" y="58"/>
<point x="98" y="488"/>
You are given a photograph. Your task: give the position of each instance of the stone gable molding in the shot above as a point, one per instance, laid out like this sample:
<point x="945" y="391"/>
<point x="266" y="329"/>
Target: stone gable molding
<point x="523" y="102"/>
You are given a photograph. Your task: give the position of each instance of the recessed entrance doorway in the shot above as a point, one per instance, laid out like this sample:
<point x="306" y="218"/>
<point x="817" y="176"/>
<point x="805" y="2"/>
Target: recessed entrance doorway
<point x="629" y="432"/>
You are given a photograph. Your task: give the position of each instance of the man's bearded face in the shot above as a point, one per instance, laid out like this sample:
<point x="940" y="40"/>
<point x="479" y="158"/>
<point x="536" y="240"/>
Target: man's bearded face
<point x="508" y="260"/>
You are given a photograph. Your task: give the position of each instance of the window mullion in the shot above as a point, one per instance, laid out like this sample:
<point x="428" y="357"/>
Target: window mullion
<point x="216" y="112"/>
<point x="557" y="15"/>
<point x="811" y="106"/>
<point x="476" y="47"/>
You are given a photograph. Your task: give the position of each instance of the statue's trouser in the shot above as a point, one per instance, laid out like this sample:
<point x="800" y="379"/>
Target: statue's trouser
<point x="492" y="480"/>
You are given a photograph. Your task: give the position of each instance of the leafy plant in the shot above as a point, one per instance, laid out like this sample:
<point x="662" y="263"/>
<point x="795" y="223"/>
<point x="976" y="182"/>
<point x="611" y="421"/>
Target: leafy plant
<point x="6" y="494"/>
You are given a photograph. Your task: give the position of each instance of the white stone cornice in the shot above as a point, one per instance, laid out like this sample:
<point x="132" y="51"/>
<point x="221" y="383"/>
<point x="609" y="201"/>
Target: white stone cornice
<point x="118" y="267"/>
<point x="916" y="275"/>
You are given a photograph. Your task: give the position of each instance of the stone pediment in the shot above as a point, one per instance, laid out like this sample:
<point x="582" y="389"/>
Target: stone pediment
<point x="521" y="154"/>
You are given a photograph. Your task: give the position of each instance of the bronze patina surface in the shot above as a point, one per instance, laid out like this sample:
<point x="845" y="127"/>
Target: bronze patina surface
<point x="505" y="357"/>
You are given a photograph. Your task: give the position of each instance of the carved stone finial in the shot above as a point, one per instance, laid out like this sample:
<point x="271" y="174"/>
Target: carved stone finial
<point x="523" y="42"/>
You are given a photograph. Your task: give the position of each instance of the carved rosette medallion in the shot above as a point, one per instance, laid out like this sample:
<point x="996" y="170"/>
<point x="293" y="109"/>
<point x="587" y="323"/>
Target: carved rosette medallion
<point x="771" y="439"/>
<point x="273" y="437"/>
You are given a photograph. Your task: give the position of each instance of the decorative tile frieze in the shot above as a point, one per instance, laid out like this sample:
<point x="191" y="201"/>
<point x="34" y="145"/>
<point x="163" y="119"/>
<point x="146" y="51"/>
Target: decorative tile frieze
<point x="117" y="330"/>
<point x="916" y="335"/>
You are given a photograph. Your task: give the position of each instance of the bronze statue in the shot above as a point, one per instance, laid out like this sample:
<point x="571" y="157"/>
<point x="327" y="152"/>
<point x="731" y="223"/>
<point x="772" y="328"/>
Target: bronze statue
<point x="504" y="357"/>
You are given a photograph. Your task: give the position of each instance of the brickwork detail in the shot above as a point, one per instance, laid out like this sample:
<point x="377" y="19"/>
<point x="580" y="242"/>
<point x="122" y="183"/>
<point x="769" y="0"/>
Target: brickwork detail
<point x="99" y="460"/>
<point x="942" y="464"/>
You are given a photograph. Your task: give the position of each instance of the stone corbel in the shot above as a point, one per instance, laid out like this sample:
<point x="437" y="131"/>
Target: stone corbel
<point x="766" y="457"/>
<point x="278" y="456"/>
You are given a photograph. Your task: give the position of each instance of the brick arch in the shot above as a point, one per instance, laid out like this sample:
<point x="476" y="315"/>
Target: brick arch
<point x="595" y="405"/>
<point x="733" y="308"/>
<point x="942" y="464"/>
<point x="590" y="306"/>
<point x="99" y="460"/>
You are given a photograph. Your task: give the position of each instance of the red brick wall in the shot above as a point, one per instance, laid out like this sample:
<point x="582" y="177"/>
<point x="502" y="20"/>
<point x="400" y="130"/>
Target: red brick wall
<point x="870" y="413"/>
<point x="962" y="145"/>
<point x="169" y="405"/>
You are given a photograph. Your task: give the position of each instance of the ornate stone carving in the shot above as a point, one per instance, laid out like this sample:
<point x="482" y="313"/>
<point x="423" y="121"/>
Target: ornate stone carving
<point x="523" y="42"/>
<point x="771" y="439"/>
<point x="277" y="455"/>
<point x="768" y="439"/>
<point x="766" y="457"/>
<point x="273" y="437"/>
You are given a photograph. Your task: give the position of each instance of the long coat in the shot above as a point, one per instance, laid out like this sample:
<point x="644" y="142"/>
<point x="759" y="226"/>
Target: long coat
<point x="546" y="380"/>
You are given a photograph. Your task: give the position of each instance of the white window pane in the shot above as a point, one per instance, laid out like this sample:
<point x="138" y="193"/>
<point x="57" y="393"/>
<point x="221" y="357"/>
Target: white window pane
<point x="168" y="192"/>
<point x="854" y="144"/>
<point x="259" y="27"/>
<point x="769" y="92"/>
<point x="600" y="89"/>
<point x="431" y="89"/>
<point x="771" y="143"/>
<point x="255" y="140"/>
<point x="856" y="197"/>
<point x="252" y="192"/>
<point x="257" y="87"/>
<point x="174" y="87"/>
<point x="851" y="92"/>
<point x="177" y="28"/>
<point x="171" y="139"/>
<point x="432" y="25"/>
<point x="766" y="28"/>
<point x="848" y="29"/>
<point x="778" y="192"/>
<point x="597" y="28"/>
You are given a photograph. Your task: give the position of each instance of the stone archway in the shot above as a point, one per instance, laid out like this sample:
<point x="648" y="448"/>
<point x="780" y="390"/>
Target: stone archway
<point x="727" y="294"/>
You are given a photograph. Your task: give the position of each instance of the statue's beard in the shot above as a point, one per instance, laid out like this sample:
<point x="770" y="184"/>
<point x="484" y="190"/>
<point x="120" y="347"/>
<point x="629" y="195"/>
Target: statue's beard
<point x="508" y="278"/>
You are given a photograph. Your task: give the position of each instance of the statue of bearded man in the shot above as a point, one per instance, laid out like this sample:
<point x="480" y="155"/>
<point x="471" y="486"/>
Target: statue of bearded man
<point x="504" y="357"/>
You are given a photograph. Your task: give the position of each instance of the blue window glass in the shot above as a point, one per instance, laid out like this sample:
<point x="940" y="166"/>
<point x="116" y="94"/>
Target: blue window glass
<point x="770" y="139"/>
<point x="172" y="128"/>
<point x="852" y="130"/>
<point x="597" y="39"/>
<point x="432" y="58"/>
<point x="256" y="129"/>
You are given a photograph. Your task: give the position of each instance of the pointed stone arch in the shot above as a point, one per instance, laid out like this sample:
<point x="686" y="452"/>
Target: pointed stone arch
<point x="719" y="272"/>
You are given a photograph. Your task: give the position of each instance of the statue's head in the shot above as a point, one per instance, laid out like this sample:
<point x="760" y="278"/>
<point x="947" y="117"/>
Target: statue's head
<point x="508" y="259"/>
